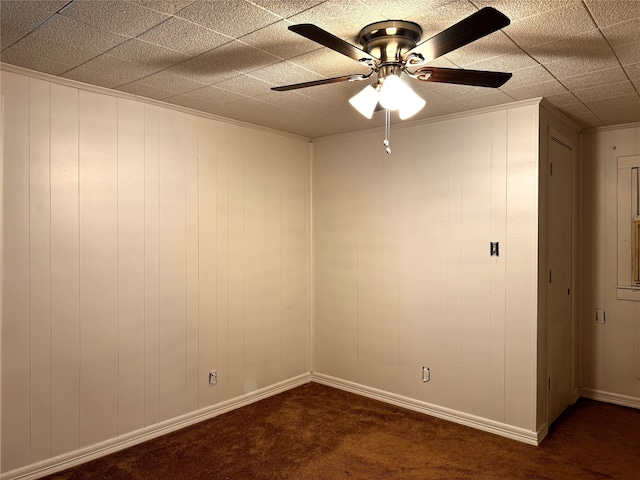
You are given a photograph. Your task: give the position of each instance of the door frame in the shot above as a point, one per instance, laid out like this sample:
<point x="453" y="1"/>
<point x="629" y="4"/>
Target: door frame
<point x="555" y="135"/>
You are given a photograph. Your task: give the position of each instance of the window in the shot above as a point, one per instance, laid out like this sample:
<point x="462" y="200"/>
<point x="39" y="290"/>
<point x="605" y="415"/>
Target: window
<point x="629" y="228"/>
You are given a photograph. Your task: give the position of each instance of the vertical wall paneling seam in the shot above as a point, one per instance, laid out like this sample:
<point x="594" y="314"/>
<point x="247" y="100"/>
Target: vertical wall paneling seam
<point x="506" y="261"/>
<point x="265" y="166"/>
<point x="79" y="268"/>
<point x="197" y="215"/>
<point x="311" y="291"/>
<point x="2" y="124"/>
<point x="185" y="163"/>
<point x="50" y="289"/>
<point x="144" y="260"/>
<point x="244" y="269"/>
<point x="157" y="359"/>
<point x="357" y="292"/>
<point x="118" y="319"/>
<point x="29" y="261"/>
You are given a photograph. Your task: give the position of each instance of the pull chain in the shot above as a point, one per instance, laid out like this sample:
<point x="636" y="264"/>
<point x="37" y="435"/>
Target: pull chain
<point x="387" y="131"/>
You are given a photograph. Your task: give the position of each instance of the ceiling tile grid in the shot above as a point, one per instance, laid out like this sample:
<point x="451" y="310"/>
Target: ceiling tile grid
<point x="224" y="56"/>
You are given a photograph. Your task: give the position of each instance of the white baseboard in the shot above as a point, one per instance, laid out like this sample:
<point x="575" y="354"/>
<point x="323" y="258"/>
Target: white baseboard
<point x="480" y="423"/>
<point x="68" y="460"/>
<point x="615" y="398"/>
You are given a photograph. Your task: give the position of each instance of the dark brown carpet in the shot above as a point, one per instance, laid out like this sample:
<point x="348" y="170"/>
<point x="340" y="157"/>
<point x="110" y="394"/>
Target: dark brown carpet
<point x="318" y="432"/>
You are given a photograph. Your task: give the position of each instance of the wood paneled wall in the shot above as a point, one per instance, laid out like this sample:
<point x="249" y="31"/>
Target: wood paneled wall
<point x="403" y="275"/>
<point x="142" y="247"/>
<point x="610" y="351"/>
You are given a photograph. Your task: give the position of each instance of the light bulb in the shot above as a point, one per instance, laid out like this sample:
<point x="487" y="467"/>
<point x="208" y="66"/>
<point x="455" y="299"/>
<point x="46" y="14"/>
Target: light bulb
<point x="365" y="101"/>
<point x="389" y="92"/>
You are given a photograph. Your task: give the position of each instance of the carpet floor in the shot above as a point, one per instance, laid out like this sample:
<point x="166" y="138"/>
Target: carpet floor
<point x="318" y="432"/>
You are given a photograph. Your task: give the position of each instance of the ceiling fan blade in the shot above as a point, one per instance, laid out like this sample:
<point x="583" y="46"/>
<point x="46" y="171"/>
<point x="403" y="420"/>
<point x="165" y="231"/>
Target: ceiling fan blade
<point x="325" y="81"/>
<point x="460" y="76"/>
<point x="318" y="35"/>
<point x="478" y="25"/>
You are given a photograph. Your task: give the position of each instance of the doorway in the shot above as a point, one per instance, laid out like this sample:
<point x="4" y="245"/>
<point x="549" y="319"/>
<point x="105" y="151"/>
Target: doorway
<point x="559" y="324"/>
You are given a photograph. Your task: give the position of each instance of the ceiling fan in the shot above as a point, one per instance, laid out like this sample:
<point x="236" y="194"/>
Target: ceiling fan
<point x="391" y="48"/>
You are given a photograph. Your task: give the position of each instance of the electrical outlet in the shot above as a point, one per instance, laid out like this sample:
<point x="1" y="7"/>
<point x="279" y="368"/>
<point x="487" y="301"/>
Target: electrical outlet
<point x="426" y="374"/>
<point x="213" y="377"/>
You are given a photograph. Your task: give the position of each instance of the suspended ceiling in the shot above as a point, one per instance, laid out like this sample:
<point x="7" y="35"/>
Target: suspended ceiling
<point x="222" y="57"/>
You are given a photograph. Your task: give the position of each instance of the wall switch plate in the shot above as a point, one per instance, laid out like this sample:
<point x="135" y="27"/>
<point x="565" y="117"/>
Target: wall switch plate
<point x="213" y="377"/>
<point x="426" y="374"/>
<point x="495" y="249"/>
<point x="600" y="316"/>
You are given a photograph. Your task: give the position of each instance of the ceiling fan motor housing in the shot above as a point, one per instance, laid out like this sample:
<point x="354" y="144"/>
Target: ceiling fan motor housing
<point x="389" y="39"/>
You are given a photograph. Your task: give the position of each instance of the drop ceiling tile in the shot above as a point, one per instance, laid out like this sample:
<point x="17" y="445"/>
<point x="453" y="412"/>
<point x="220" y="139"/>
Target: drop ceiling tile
<point x="17" y="19"/>
<point x="488" y="100"/>
<point x="518" y="9"/>
<point x="623" y="33"/>
<point x="147" y="91"/>
<point x="528" y="76"/>
<point x="115" y="16"/>
<point x="615" y="103"/>
<point x="215" y="96"/>
<point x="191" y="102"/>
<point x="183" y="36"/>
<point x="620" y="116"/>
<point x="609" y="12"/>
<point x="510" y="62"/>
<point x="119" y="68"/>
<point x="460" y="92"/>
<point x="584" y="80"/>
<point x="441" y="17"/>
<point x="564" y="99"/>
<point x="92" y="77"/>
<point x="235" y="57"/>
<point x="51" y="6"/>
<point x="172" y="82"/>
<point x="16" y="55"/>
<point x="300" y="103"/>
<point x="68" y="31"/>
<point x="597" y="61"/>
<point x="230" y="17"/>
<point x="493" y="45"/>
<point x="629" y="53"/>
<point x="551" y="26"/>
<point x="164" y="6"/>
<point x="440" y="109"/>
<point x="328" y="63"/>
<point x="337" y="94"/>
<point x="287" y="8"/>
<point x="344" y="19"/>
<point x="585" y="119"/>
<point x="579" y="46"/>
<point x="412" y="10"/>
<point x="278" y="40"/>
<point x="147" y="54"/>
<point x="574" y="108"/>
<point x="62" y="53"/>
<point x="204" y="69"/>
<point x="285" y="73"/>
<point x="533" y="91"/>
<point x="633" y="71"/>
<point x="605" y="91"/>
<point x="245" y="85"/>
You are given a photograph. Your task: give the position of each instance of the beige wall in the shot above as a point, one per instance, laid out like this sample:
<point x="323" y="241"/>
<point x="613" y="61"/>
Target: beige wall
<point x="403" y="276"/>
<point x="611" y="351"/>
<point x="142" y="247"/>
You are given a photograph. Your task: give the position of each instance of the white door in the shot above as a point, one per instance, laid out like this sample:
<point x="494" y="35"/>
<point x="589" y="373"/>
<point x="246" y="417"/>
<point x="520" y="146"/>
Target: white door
<point x="559" y="353"/>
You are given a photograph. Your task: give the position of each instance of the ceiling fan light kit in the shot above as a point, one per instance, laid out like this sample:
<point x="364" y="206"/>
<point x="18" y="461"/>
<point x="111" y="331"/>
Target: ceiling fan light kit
<point x="390" y="49"/>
